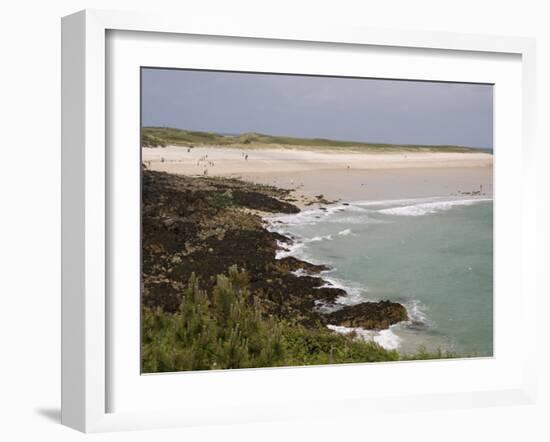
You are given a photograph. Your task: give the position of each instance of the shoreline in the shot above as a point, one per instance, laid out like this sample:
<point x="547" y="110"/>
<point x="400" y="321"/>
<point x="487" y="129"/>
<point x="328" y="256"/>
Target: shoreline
<point x="217" y="233"/>
<point x="357" y="293"/>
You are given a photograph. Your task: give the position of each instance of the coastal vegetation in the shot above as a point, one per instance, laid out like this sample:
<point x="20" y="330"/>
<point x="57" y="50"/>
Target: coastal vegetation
<point x="150" y="140"/>
<point x="228" y="329"/>
<point x="163" y="136"/>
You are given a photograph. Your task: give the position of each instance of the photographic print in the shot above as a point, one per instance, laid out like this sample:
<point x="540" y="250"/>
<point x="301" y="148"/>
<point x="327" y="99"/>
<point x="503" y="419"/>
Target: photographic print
<point x="293" y="220"/>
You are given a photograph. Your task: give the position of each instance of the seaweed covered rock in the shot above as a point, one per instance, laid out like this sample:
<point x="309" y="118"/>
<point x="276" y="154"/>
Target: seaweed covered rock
<point x="203" y="226"/>
<point x="369" y="315"/>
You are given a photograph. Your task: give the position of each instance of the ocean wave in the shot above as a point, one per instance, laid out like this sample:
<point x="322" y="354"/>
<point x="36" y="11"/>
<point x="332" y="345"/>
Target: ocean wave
<point x="300" y="272"/>
<point x="345" y="232"/>
<point x="320" y="238"/>
<point x="418" y="318"/>
<point x="385" y="338"/>
<point x="358" y="219"/>
<point x="355" y="293"/>
<point x="396" y="202"/>
<point x="288" y="249"/>
<point x="313" y="216"/>
<point x="416" y="311"/>
<point x="427" y="208"/>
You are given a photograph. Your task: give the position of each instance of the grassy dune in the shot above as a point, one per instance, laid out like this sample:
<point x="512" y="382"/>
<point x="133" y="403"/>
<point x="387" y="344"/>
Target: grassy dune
<point x="163" y="136"/>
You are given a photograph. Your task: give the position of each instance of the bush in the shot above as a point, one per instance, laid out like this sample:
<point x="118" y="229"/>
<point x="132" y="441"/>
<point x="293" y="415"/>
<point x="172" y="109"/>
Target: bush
<point x="422" y="353"/>
<point x="228" y="330"/>
<point x="224" y="331"/>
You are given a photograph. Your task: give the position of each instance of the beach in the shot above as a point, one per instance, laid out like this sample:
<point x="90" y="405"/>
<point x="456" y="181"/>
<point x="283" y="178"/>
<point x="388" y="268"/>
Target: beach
<point x="347" y="175"/>
<point x="412" y="229"/>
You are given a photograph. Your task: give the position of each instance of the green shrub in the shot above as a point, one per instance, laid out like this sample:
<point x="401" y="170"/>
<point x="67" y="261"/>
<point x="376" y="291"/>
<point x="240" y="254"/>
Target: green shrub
<point x="322" y="346"/>
<point x="422" y="353"/>
<point x="220" y="200"/>
<point x="224" y="331"/>
<point x="228" y="330"/>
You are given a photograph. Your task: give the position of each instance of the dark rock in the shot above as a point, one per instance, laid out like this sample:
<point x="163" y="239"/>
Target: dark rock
<point x="369" y="315"/>
<point x="297" y="264"/>
<point x="260" y="201"/>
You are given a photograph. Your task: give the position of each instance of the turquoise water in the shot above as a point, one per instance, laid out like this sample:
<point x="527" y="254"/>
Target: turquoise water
<point x="434" y="255"/>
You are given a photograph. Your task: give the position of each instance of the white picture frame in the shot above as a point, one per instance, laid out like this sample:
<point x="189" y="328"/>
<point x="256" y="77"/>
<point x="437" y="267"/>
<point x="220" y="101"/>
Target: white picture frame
<point x="87" y="206"/>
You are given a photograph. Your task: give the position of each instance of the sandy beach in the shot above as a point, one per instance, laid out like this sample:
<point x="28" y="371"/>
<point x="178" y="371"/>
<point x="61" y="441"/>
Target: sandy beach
<point x="335" y="174"/>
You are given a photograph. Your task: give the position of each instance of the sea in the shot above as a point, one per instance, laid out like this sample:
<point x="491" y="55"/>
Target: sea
<point x="434" y="255"/>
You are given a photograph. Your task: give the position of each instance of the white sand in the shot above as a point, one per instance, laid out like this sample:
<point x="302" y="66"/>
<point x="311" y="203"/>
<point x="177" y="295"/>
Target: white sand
<point x="335" y="174"/>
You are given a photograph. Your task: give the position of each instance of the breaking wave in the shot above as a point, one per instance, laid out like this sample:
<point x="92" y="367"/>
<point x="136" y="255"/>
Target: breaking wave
<point x="385" y="338"/>
<point x="427" y="208"/>
<point x="345" y="232"/>
<point x="314" y="216"/>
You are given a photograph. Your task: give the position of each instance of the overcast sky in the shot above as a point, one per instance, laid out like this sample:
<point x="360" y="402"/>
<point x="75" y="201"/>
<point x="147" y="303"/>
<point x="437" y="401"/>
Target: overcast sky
<point x="386" y="111"/>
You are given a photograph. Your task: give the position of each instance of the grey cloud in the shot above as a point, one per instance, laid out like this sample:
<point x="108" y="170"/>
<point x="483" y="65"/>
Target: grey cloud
<point x="389" y="111"/>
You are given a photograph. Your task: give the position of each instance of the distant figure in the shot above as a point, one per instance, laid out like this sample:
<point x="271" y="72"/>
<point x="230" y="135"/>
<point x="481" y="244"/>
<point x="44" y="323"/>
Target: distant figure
<point x="348" y="167"/>
<point x="188" y="149"/>
<point x="162" y="159"/>
<point x="205" y="172"/>
<point x="246" y="157"/>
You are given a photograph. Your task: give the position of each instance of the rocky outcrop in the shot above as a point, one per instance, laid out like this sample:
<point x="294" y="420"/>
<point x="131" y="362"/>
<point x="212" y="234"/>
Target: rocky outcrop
<point x="203" y="226"/>
<point x="369" y="315"/>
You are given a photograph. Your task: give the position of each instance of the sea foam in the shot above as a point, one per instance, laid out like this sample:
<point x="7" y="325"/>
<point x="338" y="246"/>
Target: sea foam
<point x="286" y="249"/>
<point x="385" y="338"/>
<point x="355" y="292"/>
<point x="345" y="232"/>
<point x="396" y="202"/>
<point x="313" y="216"/>
<point x="426" y="208"/>
<point x="320" y="238"/>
